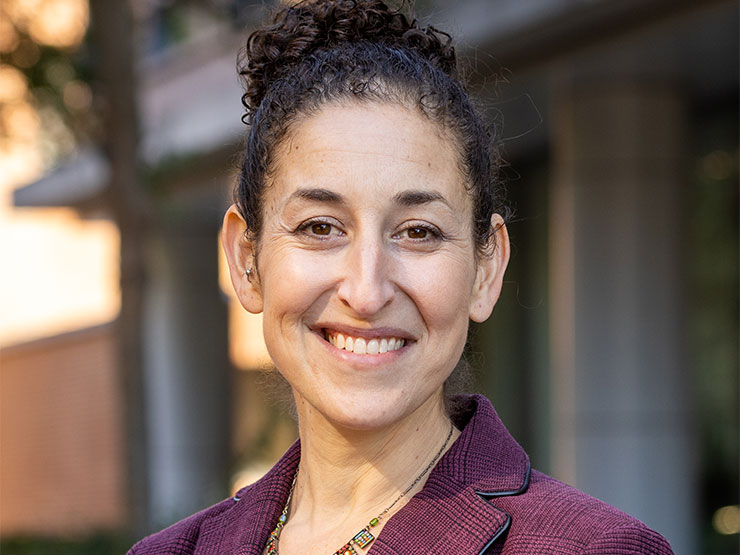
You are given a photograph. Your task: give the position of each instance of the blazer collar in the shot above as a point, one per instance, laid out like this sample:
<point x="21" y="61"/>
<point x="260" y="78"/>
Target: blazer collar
<point x="453" y="513"/>
<point x="485" y="456"/>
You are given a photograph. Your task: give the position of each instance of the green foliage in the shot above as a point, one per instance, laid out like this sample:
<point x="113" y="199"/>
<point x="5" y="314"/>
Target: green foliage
<point x="58" y="81"/>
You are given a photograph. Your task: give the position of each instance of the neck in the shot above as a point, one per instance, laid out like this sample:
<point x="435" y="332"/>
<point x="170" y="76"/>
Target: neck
<point x="346" y="474"/>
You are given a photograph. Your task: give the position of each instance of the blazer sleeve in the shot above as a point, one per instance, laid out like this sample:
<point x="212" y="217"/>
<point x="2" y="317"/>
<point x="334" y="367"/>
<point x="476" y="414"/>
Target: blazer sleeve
<point x="629" y="540"/>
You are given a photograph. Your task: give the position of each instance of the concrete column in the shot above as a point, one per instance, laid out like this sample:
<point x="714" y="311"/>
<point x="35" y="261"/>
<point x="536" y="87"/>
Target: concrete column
<point x="187" y="370"/>
<point x="621" y="414"/>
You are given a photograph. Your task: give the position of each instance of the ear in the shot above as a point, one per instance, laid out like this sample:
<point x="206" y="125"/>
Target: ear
<point x="490" y="274"/>
<point x="240" y="254"/>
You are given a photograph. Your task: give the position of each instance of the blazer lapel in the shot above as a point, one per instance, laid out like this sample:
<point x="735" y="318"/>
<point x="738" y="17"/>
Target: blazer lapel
<point x="442" y="519"/>
<point x="455" y="512"/>
<point x="245" y="528"/>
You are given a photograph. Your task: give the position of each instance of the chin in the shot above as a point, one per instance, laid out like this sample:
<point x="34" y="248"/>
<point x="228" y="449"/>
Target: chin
<point x="365" y="420"/>
<point x="369" y="411"/>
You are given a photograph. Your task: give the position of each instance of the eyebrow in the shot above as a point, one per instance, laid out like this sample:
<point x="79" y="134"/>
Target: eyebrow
<point x="417" y="198"/>
<point x="318" y="195"/>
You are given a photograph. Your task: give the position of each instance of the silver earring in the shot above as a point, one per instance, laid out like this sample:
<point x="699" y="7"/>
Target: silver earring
<point x="248" y="273"/>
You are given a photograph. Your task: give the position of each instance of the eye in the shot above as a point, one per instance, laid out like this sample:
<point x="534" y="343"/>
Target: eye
<point x="319" y="229"/>
<point x="417" y="232"/>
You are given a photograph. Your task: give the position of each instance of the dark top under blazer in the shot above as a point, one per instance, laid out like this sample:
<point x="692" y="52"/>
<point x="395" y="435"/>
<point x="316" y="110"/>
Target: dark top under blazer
<point x="481" y="497"/>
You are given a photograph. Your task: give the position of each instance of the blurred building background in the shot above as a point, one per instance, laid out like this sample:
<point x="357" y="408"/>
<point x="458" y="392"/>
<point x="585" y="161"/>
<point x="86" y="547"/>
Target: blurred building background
<point x="129" y="390"/>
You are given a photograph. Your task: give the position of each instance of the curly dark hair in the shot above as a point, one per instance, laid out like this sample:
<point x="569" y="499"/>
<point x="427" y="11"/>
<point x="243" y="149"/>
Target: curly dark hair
<point x="321" y="51"/>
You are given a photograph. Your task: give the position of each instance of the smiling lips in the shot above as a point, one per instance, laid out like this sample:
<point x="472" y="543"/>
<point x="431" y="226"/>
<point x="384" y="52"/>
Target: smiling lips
<point x="362" y="346"/>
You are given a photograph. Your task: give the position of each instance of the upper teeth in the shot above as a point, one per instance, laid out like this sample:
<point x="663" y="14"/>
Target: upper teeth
<point x="363" y="346"/>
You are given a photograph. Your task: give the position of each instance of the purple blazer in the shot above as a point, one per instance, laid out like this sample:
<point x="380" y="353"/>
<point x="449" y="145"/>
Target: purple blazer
<point x="482" y="497"/>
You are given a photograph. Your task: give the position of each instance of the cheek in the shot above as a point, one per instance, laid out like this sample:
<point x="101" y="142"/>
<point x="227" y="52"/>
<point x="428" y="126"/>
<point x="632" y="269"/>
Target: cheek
<point x="441" y="289"/>
<point x="292" y="283"/>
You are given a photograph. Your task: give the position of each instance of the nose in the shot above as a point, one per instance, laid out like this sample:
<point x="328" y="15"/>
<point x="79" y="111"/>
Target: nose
<point x="366" y="286"/>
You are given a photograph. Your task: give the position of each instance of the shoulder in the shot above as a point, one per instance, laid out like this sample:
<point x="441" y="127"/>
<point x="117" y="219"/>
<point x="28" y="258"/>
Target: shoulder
<point x="554" y="517"/>
<point x="244" y="520"/>
<point x="182" y="537"/>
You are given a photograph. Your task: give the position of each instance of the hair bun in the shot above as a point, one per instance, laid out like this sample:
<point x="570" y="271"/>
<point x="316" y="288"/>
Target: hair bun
<point x="299" y="30"/>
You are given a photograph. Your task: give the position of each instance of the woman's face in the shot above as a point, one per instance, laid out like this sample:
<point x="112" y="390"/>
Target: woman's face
<point x="366" y="266"/>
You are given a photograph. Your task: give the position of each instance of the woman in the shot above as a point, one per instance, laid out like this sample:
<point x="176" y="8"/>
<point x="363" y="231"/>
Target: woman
<point x="368" y="228"/>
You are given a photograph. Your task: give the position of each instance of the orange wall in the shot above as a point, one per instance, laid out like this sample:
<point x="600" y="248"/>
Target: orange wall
<point x="61" y="449"/>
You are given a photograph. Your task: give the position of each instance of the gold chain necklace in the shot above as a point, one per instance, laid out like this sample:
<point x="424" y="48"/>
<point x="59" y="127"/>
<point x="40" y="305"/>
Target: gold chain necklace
<point x="364" y="537"/>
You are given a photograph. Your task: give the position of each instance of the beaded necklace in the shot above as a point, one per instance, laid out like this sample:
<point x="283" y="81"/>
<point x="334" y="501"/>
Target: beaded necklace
<point x="364" y="537"/>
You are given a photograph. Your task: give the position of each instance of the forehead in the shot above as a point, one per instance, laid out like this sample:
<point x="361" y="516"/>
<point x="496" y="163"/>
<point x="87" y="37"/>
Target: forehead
<point x="378" y="146"/>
